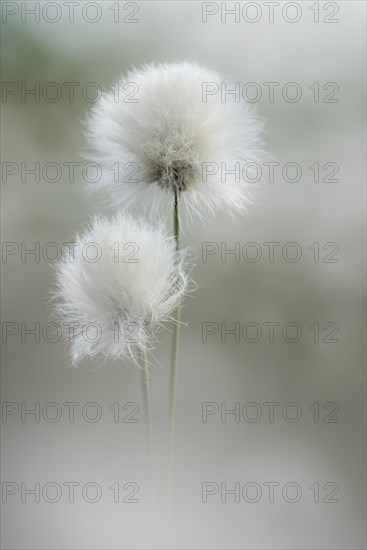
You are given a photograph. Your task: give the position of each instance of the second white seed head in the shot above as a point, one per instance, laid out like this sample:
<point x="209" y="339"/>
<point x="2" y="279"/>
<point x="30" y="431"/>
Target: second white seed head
<point x="125" y="279"/>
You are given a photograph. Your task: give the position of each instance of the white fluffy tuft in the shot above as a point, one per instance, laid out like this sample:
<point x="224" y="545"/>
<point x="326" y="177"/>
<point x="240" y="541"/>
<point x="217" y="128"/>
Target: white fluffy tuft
<point x="127" y="301"/>
<point x="168" y="134"/>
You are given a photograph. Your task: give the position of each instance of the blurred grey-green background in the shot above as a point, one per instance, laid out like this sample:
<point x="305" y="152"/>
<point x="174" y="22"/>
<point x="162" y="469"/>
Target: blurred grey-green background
<point x="305" y="292"/>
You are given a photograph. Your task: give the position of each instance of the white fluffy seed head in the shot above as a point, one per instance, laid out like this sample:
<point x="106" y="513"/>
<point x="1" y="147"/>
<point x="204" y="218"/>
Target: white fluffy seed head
<point x="168" y="127"/>
<point x="123" y="282"/>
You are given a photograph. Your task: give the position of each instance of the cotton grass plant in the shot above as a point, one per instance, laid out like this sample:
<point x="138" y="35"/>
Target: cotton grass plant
<point x="169" y="131"/>
<point x="127" y="295"/>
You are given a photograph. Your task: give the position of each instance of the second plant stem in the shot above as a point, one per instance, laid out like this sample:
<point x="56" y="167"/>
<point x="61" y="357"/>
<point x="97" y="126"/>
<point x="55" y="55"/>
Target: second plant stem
<point x="174" y="352"/>
<point x="146" y="401"/>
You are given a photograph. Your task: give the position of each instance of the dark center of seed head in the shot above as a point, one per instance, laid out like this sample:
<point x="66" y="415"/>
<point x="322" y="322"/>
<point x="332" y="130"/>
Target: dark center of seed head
<point x="173" y="177"/>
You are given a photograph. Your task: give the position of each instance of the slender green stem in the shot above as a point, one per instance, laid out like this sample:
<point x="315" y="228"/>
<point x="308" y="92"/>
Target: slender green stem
<point x="145" y="388"/>
<point x="174" y="353"/>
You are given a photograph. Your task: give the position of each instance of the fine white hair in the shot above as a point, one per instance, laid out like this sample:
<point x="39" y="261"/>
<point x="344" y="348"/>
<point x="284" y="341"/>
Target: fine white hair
<point x="121" y="282"/>
<point x="164" y="129"/>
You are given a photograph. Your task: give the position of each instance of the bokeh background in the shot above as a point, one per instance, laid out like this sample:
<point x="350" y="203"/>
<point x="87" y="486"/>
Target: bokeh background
<point x="304" y="292"/>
